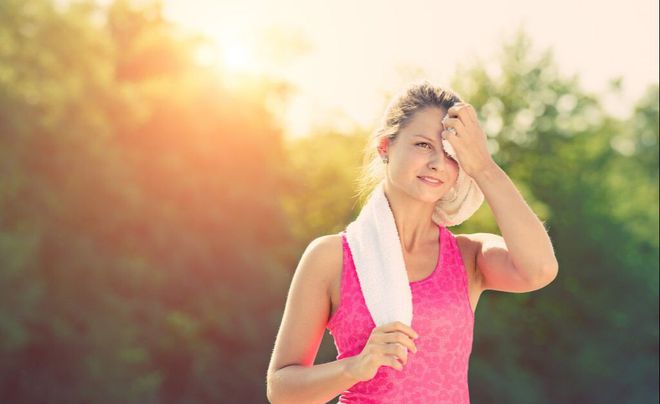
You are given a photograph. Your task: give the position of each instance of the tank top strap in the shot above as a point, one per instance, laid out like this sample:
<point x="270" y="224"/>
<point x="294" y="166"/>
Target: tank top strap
<point x="452" y="251"/>
<point x="457" y="269"/>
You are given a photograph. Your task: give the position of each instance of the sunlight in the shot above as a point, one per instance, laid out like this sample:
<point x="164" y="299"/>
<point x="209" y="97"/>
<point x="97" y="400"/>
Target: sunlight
<point x="238" y="57"/>
<point x="233" y="57"/>
<point x="232" y="52"/>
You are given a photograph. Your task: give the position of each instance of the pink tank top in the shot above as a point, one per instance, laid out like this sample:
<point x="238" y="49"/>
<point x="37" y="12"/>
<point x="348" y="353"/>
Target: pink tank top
<point x="443" y="317"/>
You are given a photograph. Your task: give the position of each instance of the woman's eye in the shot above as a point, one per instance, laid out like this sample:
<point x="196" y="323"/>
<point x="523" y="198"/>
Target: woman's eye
<point x="428" y="144"/>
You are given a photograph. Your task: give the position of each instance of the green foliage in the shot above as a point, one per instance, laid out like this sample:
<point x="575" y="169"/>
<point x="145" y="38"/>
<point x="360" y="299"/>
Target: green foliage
<point x="129" y="213"/>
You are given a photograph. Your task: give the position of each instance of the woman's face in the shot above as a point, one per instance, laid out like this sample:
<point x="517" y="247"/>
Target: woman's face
<point x="418" y="152"/>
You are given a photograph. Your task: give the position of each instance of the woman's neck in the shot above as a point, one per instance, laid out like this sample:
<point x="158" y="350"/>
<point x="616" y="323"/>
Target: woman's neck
<point x="413" y="219"/>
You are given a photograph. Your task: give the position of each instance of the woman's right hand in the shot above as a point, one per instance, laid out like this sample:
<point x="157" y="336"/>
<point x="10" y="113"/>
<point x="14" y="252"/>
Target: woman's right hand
<point x="387" y="345"/>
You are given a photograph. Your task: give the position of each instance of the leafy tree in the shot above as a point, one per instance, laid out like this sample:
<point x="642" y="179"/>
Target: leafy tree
<point x="139" y="234"/>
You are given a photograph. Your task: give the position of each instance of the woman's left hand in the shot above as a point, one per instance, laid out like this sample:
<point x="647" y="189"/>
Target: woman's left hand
<point x="469" y="141"/>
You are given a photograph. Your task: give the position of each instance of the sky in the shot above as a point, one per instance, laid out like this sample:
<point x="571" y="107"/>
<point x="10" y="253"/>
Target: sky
<point x="356" y="51"/>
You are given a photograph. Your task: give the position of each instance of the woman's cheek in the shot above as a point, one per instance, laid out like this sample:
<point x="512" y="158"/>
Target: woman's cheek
<point x="455" y="168"/>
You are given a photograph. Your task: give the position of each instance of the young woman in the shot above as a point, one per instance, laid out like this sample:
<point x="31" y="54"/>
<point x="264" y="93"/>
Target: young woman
<point x="447" y="272"/>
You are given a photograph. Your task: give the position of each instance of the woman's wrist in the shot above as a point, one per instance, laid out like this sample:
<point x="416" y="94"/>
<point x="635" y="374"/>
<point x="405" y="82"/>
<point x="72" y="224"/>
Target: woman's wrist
<point x="347" y="369"/>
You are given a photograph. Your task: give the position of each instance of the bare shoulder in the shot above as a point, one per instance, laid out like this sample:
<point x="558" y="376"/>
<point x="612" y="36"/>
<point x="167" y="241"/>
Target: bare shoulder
<point x="328" y="241"/>
<point x="328" y="249"/>
<point x="470" y="245"/>
<point x="307" y="305"/>
<point x="477" y="243"/>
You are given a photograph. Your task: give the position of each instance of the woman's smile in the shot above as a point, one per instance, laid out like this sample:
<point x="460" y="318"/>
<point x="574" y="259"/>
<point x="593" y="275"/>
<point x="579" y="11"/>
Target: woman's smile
<point x="430" y="181"/>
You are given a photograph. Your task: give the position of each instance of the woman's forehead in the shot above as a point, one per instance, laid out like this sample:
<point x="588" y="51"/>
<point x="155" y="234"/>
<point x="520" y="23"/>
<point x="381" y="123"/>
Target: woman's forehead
<point x="427" y="119"/>
<point x="432" y="129"/>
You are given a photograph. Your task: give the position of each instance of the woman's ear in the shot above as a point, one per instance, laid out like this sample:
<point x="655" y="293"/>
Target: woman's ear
<point x="383" y="147"/>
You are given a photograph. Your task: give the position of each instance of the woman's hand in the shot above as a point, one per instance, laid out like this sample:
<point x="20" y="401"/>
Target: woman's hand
<point x="387" y="345"/>
<point x="469" y="140"/>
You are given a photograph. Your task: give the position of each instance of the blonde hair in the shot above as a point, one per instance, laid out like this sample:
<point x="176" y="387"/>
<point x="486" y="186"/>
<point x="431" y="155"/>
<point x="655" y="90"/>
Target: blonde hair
<point x="399" y="112"/>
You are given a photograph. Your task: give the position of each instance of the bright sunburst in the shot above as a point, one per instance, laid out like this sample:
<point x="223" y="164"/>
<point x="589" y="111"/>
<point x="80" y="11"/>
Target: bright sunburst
<point x="237" y="56"/>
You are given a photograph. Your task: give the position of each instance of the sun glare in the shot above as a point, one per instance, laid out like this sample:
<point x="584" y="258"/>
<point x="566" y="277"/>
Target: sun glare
<point x="237" y="56"/>
<point x="231" y="54"/>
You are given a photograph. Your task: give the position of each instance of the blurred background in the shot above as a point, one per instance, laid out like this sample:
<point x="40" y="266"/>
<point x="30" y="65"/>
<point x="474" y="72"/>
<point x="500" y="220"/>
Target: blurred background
<point x="163" y="165"/>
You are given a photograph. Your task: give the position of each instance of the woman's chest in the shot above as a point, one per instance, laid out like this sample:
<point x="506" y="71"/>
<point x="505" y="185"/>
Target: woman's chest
<point x="420" y="267"/>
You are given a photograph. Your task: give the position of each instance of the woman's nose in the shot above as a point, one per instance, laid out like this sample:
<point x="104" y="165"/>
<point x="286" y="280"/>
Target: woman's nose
<point x="439" y="160"/>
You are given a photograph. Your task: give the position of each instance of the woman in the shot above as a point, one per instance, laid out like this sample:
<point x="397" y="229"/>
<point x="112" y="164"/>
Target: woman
<point x="447" y="273"/>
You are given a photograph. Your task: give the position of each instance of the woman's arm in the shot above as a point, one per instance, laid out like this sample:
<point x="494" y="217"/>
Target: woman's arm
<point x="527" y="252"/>
<point x="292" y="376"/>
<point x="310" y="384"/>
<point x="523" y="259"/>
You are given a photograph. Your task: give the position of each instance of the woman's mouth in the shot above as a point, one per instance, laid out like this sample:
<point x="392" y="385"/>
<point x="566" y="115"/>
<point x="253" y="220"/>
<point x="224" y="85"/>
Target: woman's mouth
<point x="430" y="181"/>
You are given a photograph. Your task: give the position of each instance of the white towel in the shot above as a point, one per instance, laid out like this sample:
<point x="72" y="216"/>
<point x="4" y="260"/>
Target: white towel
<point x="377" y="252"/>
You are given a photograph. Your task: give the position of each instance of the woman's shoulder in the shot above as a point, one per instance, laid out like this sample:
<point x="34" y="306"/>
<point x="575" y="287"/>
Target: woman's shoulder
<point x="469" y="245"/>
<point x="466" y="241"/>
<point x="328" y="243"/>
<point x="328" y="249"/>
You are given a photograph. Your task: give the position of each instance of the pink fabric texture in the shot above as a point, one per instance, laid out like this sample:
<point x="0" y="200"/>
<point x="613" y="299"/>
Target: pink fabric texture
<point x="443" y="317"/>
